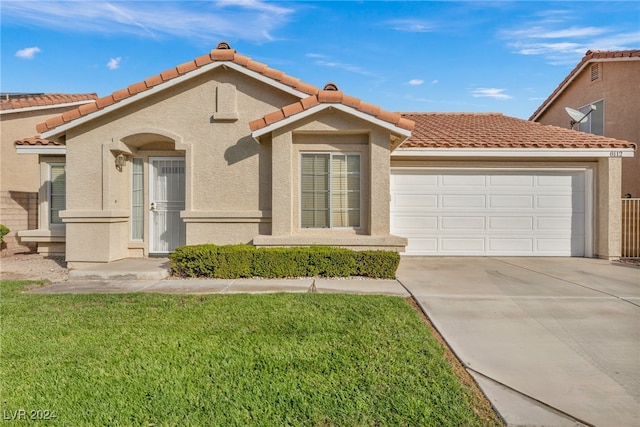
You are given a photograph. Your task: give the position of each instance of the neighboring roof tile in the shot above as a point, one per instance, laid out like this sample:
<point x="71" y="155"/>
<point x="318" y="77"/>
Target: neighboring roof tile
<point x="590" y="56"/>
<point x="222" y="53"/>
<point x="36" y="140"/>
<point x="17" y="101"/>
<point x="493" y="130"/>
<point x="331" y="96"/>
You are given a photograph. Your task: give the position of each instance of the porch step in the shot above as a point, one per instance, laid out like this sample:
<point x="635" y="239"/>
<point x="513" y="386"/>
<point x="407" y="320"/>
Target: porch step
<point x="124" y="269"/>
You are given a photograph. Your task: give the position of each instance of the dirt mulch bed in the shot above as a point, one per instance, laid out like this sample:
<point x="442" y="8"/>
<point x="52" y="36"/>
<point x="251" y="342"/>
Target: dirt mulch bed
<point x="33" y="267"/>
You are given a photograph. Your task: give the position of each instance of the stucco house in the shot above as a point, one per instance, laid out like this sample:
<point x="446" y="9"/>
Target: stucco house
<point x="20" y="176"/>
<point x="610" y="81"/>
<point x="223" y="149"/>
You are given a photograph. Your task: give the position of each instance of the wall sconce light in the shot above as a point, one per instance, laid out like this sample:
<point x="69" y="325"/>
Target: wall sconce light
<point x="121" y="160"/>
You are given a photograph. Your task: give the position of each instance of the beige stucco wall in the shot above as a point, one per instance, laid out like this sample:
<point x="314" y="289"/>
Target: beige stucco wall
<point x="331" y="131"/>
<point x="606" y="189"/>
<point x="619" y="86"/>
<point x="238" y="190"/>
<point x="20" y="176"/>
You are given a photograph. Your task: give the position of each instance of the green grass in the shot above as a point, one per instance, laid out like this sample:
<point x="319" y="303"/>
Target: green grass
<point x="278" y="359"/>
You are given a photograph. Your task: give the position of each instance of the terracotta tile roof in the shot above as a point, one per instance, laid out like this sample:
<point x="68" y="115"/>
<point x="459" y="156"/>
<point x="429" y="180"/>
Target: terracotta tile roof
<point x="493" y="130"/>
<point x="590" y="56"/>
<point x="16" y="101"/>
<point x="331" y="95"/>
<point x="221" y="53"/>
<point x="36" y="140"/>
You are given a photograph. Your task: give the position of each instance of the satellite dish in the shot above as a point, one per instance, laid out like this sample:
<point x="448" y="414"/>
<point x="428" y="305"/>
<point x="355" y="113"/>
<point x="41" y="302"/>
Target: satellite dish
<point x="578" y="116"/>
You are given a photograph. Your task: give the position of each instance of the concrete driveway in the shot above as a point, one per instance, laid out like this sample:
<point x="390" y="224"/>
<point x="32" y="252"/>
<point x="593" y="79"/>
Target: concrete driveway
<point x="551" y="341"/>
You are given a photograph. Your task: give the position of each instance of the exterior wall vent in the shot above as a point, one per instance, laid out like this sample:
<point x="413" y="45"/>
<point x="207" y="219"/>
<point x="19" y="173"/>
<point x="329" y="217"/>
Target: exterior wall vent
<point x="595" y="72"/>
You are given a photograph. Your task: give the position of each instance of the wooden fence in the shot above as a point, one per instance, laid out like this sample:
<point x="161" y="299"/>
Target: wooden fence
<point x="630" y="228"/>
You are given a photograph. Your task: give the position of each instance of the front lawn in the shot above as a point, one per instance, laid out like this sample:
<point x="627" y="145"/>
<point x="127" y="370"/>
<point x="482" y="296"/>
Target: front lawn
<point x="275" y="359"/>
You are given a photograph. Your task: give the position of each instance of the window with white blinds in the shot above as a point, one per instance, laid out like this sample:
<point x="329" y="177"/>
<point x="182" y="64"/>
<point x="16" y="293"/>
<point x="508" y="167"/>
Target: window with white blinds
<point x="57" y="192"/>
<point x="330" y="190"/>
<point x="137" y="198"/>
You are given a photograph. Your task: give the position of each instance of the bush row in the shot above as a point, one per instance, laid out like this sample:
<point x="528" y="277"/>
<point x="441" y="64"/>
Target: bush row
<point x="3" y="230"/>
<point x="237" y="261"/>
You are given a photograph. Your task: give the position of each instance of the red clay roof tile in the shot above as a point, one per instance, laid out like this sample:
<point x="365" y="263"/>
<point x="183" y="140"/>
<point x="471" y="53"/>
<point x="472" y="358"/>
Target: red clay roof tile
<point x="332" y="96"/>
<point x="17" y="101"/>
<point x="590" y="56"/>
<point x="186" y="67"/>
<point x="121" y="94"/>
<point x="36" y="140"/>
<point x="137" y="88"/>
<point x="223" y="53"/>
<point x="153" y="81"/>
<point x="169" y="74"/>
<point x="493" y="130"/>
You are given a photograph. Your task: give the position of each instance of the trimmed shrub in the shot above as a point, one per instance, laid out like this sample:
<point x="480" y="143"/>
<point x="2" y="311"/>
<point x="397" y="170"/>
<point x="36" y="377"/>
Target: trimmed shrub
<point x="237" y="261"/>
<point x="3" y="231"/>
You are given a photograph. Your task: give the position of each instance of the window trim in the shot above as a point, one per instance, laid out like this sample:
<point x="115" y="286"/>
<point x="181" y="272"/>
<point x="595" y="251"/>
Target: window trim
<point x="44" y="195"/>
<point x="50" y="166"/>
<point x="331" y="154"/>
<point x="131" y="189"/>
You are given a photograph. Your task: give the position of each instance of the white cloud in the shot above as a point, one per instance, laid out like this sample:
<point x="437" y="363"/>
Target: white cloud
<point x="435" y="82"/>
<point x="410" y="25"/>
<point x="114" y="63"/>
<point x="345" y="66"/>
<point x="416" y="82"/>
<point x="28" y="52"/>
<point x="561" y="43"/>
<point x="494" y="93"/>
<point x="208" y="21"/>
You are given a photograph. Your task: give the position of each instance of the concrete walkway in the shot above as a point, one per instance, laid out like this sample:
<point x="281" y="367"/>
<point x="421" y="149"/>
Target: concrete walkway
<point x="151" y="275"/>
<point x="551" y="341"/>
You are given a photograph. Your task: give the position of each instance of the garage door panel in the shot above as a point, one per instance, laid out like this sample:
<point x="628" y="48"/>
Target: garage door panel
<point x="416" y="201"/>
<point x="466" y="201"/>
<point x="514" y="223"/>
<point x="509" y="245"/>
<point x="466" y="223"/>
<point x="462" y="244"/>
<point x="416" y="223"/>
<point x="511" y="201"/>
<point x="555" y="202"/>
<point x="462" y="180"/>
<point x="480" y="213"/>
<point x="423" y="246"/>
<point x="510" y="180"/>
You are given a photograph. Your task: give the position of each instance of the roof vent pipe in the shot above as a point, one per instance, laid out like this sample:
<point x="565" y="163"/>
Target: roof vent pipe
<point x="223" y="45"/>
<point x="331" y="86"/>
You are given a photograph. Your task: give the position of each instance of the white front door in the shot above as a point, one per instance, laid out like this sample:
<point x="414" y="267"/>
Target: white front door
<point x="491" y="212"/>
<point x="166" y="200"/>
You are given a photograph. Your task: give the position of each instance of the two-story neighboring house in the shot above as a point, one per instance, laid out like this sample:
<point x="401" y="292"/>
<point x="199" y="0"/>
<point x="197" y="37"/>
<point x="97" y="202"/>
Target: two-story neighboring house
<point x="21" y="176"/>
<point x="609" y="81"/>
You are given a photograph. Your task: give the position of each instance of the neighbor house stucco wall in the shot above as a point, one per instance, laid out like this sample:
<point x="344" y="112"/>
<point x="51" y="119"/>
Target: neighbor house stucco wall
<point x="20" y="176"/>
<point x="619" y="86"/>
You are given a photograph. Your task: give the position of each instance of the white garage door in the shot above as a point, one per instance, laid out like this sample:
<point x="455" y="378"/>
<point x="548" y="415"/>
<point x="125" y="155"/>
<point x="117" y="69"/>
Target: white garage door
<point x="507" y="213"/>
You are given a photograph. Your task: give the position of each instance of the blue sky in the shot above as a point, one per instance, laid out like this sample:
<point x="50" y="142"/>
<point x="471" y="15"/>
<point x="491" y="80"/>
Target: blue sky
<point x="475" y="56"/>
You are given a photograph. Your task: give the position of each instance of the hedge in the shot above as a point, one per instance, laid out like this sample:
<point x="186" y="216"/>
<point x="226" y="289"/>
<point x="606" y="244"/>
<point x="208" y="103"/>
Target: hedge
<point x="238" y="261"/>
<point x="3" y="231"/>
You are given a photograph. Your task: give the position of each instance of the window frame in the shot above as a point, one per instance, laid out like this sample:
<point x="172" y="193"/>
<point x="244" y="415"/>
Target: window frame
<point x="331" y="154"/>
<point x="599" y="110"/>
